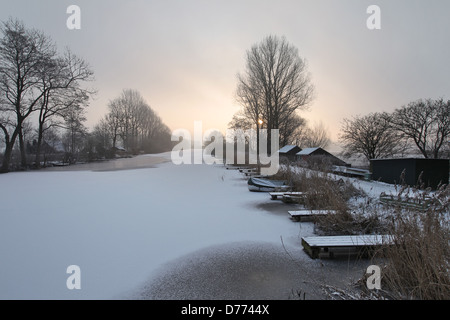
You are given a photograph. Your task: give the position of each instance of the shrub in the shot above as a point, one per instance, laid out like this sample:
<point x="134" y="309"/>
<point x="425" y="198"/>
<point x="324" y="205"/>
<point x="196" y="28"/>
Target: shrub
<point x="325" y="191"/>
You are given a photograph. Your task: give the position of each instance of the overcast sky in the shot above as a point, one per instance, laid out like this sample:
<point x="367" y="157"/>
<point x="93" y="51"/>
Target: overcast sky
<point x="183" y="55"/>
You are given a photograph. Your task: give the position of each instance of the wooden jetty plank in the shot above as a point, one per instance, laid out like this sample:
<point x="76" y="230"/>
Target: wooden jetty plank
<point x="235" y="168"/>
<point x="343" y="241"/>
<point x="303" y="215"/>
<point x="412" y="203"/>
<point x="294" y="198"/>
<point x="314" y="245"/>
<point x="275" y="195"/>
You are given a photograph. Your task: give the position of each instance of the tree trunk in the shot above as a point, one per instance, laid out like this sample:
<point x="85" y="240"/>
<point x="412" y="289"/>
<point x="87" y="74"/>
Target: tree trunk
<point x="37" y="159"/>
<point x="257" y="146"/>
<point x="7" y="158"/>
<point x="72" y="147"/>
<point x="114" y="140"/>
<point x="23" y="154"/>
<point x="8" y="152"/>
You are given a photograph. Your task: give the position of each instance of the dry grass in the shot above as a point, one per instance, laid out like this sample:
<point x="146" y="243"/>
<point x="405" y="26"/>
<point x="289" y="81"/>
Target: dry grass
<point x="323" y="191"/>
<point x="417" y="264"/>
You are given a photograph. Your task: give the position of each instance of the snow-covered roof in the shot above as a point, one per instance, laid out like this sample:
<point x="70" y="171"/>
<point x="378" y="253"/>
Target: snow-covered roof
<point x="306" y="151"/>
<point x="286" y="148"/>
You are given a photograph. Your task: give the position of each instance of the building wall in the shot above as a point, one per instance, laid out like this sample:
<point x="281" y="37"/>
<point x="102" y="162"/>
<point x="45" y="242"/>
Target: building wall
<point x="435" y="171"/>
<point x="290" y="155"/>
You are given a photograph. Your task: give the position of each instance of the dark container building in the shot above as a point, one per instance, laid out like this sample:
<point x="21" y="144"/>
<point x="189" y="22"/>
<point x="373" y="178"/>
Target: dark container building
<point x="432" y="172"/>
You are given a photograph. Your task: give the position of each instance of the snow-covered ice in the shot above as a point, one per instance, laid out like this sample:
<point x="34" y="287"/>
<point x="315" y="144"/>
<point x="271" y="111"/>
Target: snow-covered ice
<point x="120" y="226"/>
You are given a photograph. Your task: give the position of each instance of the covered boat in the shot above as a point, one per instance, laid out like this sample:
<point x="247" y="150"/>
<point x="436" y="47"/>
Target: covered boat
<point x="266" y="185"/>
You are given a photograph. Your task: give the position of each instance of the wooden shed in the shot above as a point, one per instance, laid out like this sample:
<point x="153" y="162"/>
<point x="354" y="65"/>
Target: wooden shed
<point x="289" y="152"/>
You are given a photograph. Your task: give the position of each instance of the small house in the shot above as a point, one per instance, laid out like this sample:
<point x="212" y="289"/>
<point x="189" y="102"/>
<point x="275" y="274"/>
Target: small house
<point x="288" y="152"/>
<point x="318" y="155"/>
<point x="119" y="151"/>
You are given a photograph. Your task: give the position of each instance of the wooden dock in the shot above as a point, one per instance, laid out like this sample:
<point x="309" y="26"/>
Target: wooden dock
<point x="352" y="172"/>
<point x="294" y="198"/>
<point x="275" y="195"/>
<point x="410" y="203"/>
<point x="236" y="168"/>
<point x="289" y="196"/>
<point x="308" y="215"/>
<point x="314" y="246"/>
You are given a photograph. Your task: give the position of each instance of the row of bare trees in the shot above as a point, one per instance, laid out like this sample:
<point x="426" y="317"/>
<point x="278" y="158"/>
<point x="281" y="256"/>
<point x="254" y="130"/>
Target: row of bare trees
<point x="423" y="125"/>
<point x="37" y="83"/>
<point x="43" y="101"/>
<point x="133" y="124"/>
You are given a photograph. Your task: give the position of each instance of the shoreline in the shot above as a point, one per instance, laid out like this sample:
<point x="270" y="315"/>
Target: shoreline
<point x="251" y="271"/>
<point x="130" y="163"/>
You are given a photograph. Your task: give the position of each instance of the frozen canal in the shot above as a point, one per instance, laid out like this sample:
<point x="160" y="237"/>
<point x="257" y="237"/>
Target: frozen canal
<point x="158" y="232"/>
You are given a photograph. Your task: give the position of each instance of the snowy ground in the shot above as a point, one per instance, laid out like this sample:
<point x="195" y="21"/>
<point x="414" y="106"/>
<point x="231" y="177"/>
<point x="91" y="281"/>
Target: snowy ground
<point x="167" y="232"/>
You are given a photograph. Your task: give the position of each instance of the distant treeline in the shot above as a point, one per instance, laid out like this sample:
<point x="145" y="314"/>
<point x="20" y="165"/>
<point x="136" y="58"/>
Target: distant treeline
<point x="421" y="126"/>
<point x="43" y="101"/>
<point x="133" y="125"/>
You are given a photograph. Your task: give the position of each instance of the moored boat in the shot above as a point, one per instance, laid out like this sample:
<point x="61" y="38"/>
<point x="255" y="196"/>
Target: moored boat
<point x="266" y="185"/>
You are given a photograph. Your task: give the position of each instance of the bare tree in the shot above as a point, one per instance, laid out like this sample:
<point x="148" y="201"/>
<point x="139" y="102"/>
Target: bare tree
<point x="127" y="113"/>
<point x="249" y="98"/>
<point x="155" y="136"/>
<point x="317" y="136"/>
<point x="371" y="136"/>
<point x="306" y="136"/>
<point x="291" y="129"/>
<point x="241" y="123"/>
<point x="34" y="78"/>
<point x="74" y="119"/>
<point x="275" y="83"/>
<point x="114" y="120"/>
<point x="103" y="137"/>
<point x="426" y="123"/>
<point x="61" y="91"/>
<point x="133" y="122"/>
<point x="24" y="57"/>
